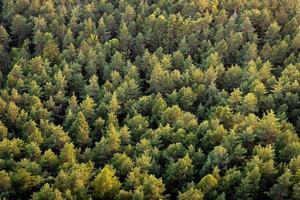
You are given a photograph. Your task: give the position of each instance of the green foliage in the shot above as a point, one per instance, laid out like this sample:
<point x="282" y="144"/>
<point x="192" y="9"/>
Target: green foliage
<point x="180" y="172"/>
<point x="49" y="160"/>
<point x="80" y="130"/>
<point x="207" y="183"/>
<point x="191" y="194"/>
<point x="132" y="99"/>
<point x="105" y="184"/>
<point x="145" y="186"/>
<point x="5" y="182"/>
<point x="122" y="163"/>
<point x="108" y="146"/>
<point x="46" y="192"/>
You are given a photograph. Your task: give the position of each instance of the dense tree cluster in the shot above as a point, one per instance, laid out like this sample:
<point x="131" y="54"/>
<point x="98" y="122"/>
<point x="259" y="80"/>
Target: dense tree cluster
<point x="151" y="99"/>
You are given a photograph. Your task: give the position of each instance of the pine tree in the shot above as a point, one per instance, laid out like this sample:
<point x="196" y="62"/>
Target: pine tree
<point x="113" y="105"/>
<point x="20" y="27"/>
<point x="296" y="41"/>
<point x="80" y="130"/>
<point x="51" y="51"/>
<point x="249" y="103"/>
<point x="191" y="194"/>
<point x="6" y="182"/>
<point x="93" y="89"/>
<point x="49" y="160"/>
<point x="12" y="112"/>
<point x="47" y="192"/>
<point x="122" y="163"/>
<point x="160" y="80"/>
<point x="180" y="172"/>
<point x="249" y="187"/>
<point x="272" y="33"/>
<point x="106" y="184"/>
<point x="108" y="145"/>
<point x="3" y="131"/>
<point x="125" y="39"/>
<point x="15" y="78"/>
<point x="207" y="183"/>
<point x="68" y="38"/>
<point x="139" y="45"/>
<point x="4" y="36"/>
<point x="68" y="154"/>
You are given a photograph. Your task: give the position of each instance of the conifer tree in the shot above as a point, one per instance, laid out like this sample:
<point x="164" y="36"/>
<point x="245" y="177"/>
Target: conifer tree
<point x="80" y="130"/>
<point x="106" y="184"/>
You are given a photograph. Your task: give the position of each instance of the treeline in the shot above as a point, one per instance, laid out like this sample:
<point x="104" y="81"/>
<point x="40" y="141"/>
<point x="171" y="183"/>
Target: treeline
<point x="152" y="99"/>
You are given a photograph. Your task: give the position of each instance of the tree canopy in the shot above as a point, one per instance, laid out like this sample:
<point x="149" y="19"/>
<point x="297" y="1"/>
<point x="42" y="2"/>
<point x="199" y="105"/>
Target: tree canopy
<point x="151" y="99"/>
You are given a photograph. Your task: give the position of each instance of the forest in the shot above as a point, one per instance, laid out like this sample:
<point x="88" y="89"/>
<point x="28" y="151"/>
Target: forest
<point x="150" y="99"/>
